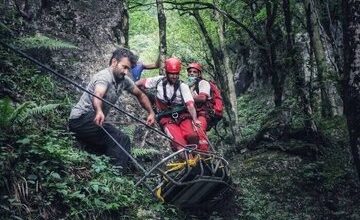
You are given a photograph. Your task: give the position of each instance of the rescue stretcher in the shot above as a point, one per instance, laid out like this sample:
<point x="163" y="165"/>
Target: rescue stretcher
<point x="198" y="178"/>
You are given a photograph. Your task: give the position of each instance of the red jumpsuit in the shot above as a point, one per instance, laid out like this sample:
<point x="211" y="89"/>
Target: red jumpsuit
<point x="201" y="108"/>
<point x="180" y="129"/>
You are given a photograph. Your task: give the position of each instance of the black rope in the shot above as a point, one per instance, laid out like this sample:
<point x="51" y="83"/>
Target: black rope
<point x="83" y="89"/>
<point x="123" y="149"/>
<point x="131" y="157"/>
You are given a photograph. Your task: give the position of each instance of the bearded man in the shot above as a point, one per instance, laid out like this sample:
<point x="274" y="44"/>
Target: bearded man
<point x="88" y="115"/>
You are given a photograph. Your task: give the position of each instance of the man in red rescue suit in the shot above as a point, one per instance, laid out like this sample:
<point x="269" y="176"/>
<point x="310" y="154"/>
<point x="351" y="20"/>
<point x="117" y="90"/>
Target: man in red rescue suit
<point x="171" y="94"/>
<point x="200" y="90"/>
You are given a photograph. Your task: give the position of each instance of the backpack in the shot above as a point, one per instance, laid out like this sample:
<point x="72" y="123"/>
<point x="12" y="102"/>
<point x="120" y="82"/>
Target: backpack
<point x="215" y="104"/>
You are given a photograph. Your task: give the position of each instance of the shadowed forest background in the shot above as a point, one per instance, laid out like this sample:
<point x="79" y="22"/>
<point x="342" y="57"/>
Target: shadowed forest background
<point x="289" y="75"/>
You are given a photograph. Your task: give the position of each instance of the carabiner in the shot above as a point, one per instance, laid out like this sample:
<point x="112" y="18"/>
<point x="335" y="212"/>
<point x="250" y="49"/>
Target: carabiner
<point x="175" y="115"/>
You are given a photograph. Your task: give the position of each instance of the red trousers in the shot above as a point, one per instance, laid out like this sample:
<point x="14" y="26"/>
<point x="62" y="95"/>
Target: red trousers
<point x="203" y="139"/>
<point x="184" y="133"/>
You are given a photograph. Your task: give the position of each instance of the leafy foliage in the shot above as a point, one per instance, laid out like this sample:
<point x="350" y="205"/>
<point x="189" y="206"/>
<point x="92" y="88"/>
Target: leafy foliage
<point x="252" y="110"/>
<point x="14" y="117"/>
<point x="43" y="174"/>
<point x="38" y="110"/>
<point x="140" y="152"/>
<point x="8" y="112"/>
<point x="143" y="37"/>
<point x="261" y="15"/>
<point x="272" y="181"/>
<point x="86" y="185"/>
<point x="41" y="41"/>
<point x="184" y="41"/>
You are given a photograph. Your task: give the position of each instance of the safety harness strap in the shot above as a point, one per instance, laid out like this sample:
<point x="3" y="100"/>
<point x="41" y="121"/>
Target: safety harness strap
<point x="176" y="87"/>
<point x="176" y="109"/>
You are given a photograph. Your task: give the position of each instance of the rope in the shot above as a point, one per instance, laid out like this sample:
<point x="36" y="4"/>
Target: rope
<point x="206" y="138"/>
<point x="125" y="152"/>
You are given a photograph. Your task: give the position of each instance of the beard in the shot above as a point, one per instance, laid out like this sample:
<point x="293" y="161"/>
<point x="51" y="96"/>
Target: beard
<point x="172" y="81"/>
<point x="119" y="75"/>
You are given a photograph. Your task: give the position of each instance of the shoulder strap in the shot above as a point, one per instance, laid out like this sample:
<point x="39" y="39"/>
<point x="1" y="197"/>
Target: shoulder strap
<point x="182" y="98"/>
<point x="176" y="87"/>
<point x="160" y="80"/>
<point x="197" y="85"/>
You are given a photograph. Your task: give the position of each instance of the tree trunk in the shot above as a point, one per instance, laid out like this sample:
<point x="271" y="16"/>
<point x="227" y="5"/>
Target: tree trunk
<point x="351" y="75"/>
<point x="277" y="78"/>
<point x="162" y="35"/>
<point x="229" y="74"/>
<point x="320" y="58"/>
<point x="121" y="30"/>
<point x="218" y="71"/>
<point x="333" y="32"/>
<point x="293" y="66"/>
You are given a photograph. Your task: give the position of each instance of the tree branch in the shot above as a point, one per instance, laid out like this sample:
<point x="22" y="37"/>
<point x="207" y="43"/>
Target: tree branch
<point x="135" y="5"/>
<point x="206" y="5"/>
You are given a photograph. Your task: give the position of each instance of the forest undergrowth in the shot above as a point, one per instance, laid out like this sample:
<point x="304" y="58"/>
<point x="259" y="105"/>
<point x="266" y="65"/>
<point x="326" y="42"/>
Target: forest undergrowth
<point x="43" y="174"/>
<point x="282" y="172"/>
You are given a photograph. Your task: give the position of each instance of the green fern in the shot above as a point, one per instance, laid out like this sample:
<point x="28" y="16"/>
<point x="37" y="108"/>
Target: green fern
<point x="6" y="111"/>
<point x="140" y="152"/>
<point x="41" y="41"/>
<point x="4" y="29"/>
<point x="13" y="116"/>
<point x="38" y="110"/>
<point x="9" y="112"/>
<point x="20" y="110"/>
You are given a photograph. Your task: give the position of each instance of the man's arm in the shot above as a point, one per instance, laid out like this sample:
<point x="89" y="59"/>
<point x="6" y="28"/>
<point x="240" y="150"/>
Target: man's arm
<point x="145" y="103"/>
<point x="189" y="102"/>
<point x="97" y="103"/>
<point x="192" y="110"/>
<point x="201" y="98"/>
<point x="141" y="83"/>
<point x="151" y="66"/>
<point x="204" y="92"/>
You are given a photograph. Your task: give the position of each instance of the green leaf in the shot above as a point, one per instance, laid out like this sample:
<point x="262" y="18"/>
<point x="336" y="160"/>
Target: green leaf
<point x="77" y="194"/>
<point x="55" y="175"/>
<point x="41" y="41"/>
<point x="32" y="177"/>
<point x="261" y="16"/>
<point x="95" y="187"/>
<point x="24" y="141"/>
<point x="42" y="163"/>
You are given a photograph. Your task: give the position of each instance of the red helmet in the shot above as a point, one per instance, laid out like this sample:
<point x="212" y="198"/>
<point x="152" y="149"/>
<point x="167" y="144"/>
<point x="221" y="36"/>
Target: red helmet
<point x="173" y="65"/>
<point x="195" y="66"/>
